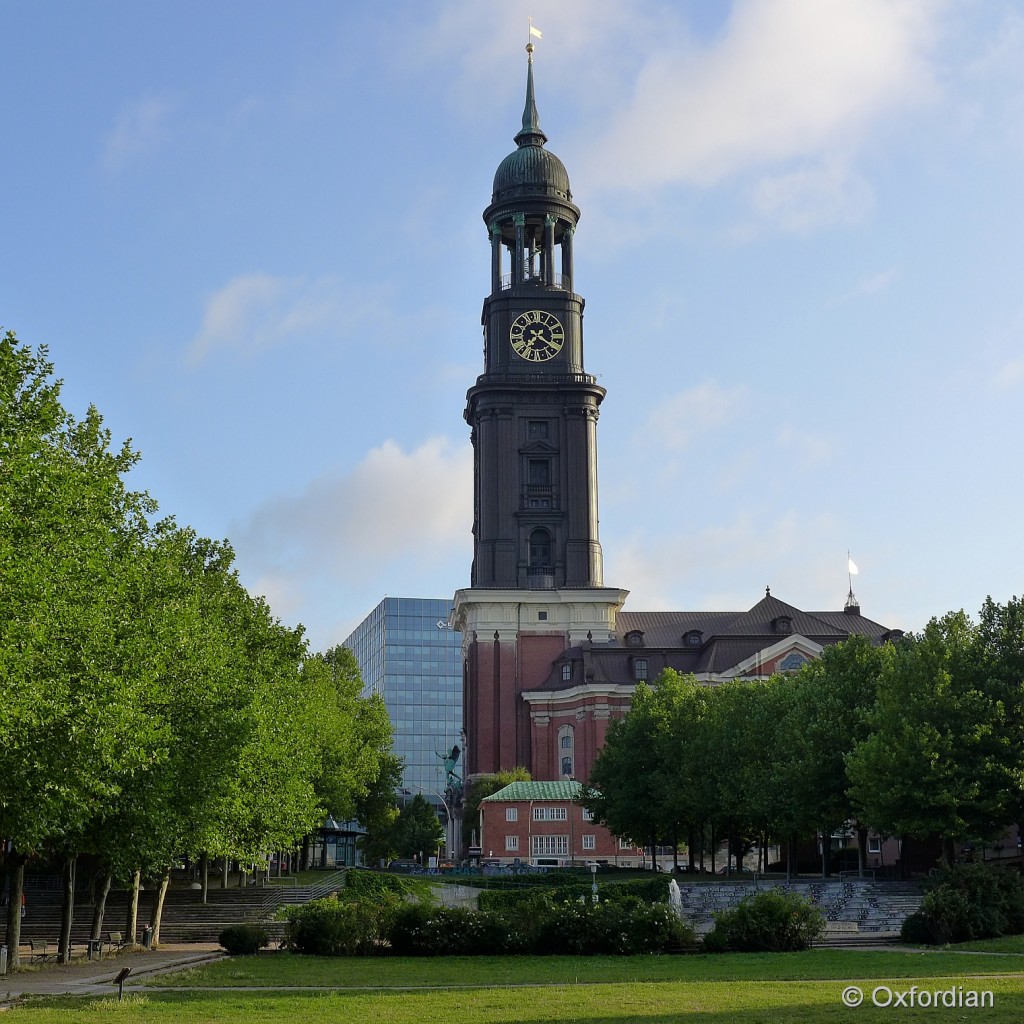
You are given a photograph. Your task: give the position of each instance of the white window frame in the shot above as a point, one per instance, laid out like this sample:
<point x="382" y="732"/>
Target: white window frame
<point x="512" y="843"/>
<point x="589" y="842"/>
<point x="549" y="846"/>
<point x="511" y="813"/>
<point x="550" y="814"/>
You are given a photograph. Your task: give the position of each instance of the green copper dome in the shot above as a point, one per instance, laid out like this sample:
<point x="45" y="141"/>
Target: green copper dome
<point x="531" y="170"/>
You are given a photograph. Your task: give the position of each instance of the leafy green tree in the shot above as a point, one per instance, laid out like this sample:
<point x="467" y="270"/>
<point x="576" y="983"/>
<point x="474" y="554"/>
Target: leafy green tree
<point x="934" y="762"/>
<point x="630" y="787"/>
<point x="417" y="830"/>
<point x="70" y="721"/>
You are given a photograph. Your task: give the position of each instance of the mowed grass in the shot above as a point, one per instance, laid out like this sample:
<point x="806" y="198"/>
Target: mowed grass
<point x="800" y="988"/>
<point x="287" y="970"/>
<point x="764" y="1002"/>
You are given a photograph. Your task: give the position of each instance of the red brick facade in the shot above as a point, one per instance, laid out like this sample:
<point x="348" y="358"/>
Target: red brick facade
<point x="524" y="823"/>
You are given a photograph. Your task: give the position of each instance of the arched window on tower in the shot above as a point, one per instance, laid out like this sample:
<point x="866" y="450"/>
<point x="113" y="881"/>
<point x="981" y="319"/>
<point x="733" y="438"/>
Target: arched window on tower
<point x="566" y="751"/>
<point x="540" y="552"/>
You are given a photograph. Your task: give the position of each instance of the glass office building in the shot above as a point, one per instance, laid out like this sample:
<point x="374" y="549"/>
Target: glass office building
<point x="408" y="655"/>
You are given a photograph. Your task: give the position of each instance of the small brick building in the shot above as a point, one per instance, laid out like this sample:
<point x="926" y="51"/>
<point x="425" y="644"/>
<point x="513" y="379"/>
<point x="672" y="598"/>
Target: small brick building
<point x="539" y="823"/>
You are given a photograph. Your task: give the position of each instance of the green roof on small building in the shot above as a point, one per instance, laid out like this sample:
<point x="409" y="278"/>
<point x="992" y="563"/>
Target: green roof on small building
<point x="518" y="791"/>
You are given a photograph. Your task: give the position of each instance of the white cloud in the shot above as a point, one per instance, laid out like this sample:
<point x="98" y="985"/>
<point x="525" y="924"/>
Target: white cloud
<point x="725" y="567"/>
<point x="813" y="196"/>
<point x="810" y="449"/>
<point x="396" y="508"/>
<point x="1009" y="376"/>
<point x="255" y="312"/>
<point x="788" y="79"/>
<point x="141" y="128"/>
<point x="679" y="419"/>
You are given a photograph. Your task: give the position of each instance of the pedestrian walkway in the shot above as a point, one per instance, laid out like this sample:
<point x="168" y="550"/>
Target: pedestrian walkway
<point x="96" y="977"/>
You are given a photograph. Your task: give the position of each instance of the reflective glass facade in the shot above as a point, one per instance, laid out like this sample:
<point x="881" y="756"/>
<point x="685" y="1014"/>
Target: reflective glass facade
<point x="408" y="655"/>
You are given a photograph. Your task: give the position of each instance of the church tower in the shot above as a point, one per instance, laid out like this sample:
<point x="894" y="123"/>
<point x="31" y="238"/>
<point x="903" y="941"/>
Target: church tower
<point x="537" y="578"/>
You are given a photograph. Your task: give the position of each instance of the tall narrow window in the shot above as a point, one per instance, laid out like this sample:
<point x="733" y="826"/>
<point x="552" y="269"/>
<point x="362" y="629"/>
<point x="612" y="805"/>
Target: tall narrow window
<point x="540" y="549"/>
<point x="639" y="668"/>
<point x="539" y="472"/>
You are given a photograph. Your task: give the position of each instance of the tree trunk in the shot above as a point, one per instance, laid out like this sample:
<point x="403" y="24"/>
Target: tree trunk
<point x="675" y="849"/>
<point x="131" y="925"/>
<point x="224" y="873"/>
<point x="712" y="849"/>
<point x="67" y="910"/>
<point x="654" y="850"/>
<point x="703" y="827"/>
<point x="100" y="906"/>
<point x="790" y="873"/>
<point x="158" y="906"/>
<point x="862" y="850"/>
<point x="825" y="842"/>
<point x="948" y="852"/>
<point x="204" y="874"/>
<point x="691" y="853"/>
<point x="16" y="875"/>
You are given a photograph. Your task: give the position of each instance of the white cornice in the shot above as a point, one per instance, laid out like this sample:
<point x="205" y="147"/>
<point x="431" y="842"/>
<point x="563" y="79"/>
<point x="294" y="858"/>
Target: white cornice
<point x="577" y="614"/>
<point x="792" y="642"/>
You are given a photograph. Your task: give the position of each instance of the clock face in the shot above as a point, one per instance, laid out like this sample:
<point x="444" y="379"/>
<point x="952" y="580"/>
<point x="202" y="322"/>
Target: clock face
<point x="536" y="336"/>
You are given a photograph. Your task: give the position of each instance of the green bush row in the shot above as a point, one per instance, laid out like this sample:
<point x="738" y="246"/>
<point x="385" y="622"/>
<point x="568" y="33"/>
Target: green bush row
<point x="647" y="890"/>
<point x="967" y="902"/>
<point x="333" y="927"/>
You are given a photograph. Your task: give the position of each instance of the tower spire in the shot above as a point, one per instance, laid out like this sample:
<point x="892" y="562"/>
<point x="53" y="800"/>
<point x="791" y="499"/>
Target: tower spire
<point x="531" y="135"/>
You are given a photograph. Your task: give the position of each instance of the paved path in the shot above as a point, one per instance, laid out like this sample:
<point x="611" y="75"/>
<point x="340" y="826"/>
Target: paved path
<point x="95" y="977"/>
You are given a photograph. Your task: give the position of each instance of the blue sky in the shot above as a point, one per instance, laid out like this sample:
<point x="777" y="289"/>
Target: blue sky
<point x="250" y="234"/>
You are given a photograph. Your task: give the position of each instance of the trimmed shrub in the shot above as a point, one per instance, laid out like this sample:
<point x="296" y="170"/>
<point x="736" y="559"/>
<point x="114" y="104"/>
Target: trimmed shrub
<point x="973" y="901"/>
<point x="586" y="929"/>
<point x="646" y="890"/>
<point x="773" y="921"/>
<point x="243" y="939"/>
<point x="379" y="886"/>
<point x="917" y="930"/>
<point x="332" y="927"/>
<point x="420" y="930"/>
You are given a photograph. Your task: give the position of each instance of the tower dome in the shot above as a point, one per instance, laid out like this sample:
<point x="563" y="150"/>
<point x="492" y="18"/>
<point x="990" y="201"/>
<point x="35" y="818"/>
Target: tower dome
<point x="530" y="170"/>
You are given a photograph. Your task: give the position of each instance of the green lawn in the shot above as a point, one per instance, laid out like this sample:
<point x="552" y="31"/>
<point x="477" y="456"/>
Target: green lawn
<point x="799" y="988"/>
<point x="288" y="970"/>
<point x="766" y="1002"/>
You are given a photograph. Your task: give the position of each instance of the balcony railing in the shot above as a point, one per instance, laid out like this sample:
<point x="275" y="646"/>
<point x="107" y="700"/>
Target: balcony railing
<point x="559" y="281"/>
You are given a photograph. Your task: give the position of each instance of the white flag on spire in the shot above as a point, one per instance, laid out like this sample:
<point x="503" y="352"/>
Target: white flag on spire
<point x="535" y="32"/>
<point x="851" y="565"/>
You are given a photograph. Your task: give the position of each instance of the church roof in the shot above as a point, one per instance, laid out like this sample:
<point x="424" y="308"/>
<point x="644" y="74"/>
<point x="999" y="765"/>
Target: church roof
<point x="709" y="644"/>
<point x="563" y="789"/>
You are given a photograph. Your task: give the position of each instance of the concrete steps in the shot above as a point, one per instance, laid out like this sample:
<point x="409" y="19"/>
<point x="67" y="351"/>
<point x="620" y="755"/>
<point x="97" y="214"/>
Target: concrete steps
<point x="851" y="906"/>
<point x="185" y="918"/>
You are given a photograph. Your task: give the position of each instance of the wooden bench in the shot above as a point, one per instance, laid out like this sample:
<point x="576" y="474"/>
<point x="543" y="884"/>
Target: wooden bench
<point x="39" y="951"/>
<point x="115" y="941"/>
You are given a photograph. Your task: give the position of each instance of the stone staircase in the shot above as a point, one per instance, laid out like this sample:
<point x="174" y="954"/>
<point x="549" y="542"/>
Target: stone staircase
<point x="185" y="917"/>
<point x="852" y="906"/>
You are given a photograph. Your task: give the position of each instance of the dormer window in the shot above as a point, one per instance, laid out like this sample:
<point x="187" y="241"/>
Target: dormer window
<point x="783" y="625"/>
<point x="567" y="672"/>
<point x="693" y="638"/>
<point x="639" y="669"/>
<point x="635" y="638"/>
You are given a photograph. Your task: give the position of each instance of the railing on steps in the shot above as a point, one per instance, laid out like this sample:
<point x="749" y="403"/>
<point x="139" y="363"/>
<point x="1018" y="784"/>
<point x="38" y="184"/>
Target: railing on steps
<point x="275" y="896"/>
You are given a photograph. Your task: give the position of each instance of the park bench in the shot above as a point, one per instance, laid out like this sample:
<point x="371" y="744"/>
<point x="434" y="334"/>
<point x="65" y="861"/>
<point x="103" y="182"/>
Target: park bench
<point x="115" y="941"/>
<point x="39" y="951"/>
